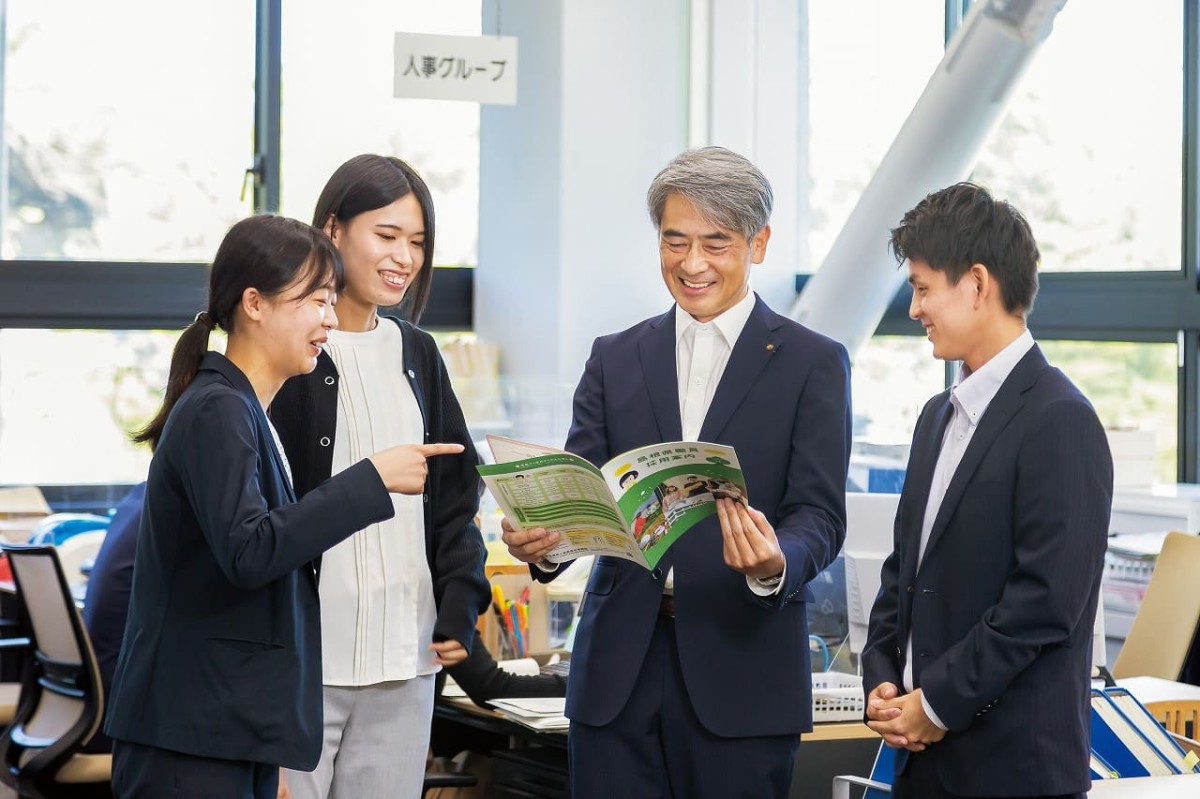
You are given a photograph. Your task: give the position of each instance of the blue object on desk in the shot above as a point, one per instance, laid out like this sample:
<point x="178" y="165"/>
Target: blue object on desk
<point x="885" y="481"/>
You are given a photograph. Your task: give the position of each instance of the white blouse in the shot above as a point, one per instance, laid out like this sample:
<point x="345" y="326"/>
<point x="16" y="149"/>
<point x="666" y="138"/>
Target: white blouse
<point x="377" y="607"/>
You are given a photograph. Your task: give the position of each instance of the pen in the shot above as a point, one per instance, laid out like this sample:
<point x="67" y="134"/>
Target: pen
<point x="516" y="628"/>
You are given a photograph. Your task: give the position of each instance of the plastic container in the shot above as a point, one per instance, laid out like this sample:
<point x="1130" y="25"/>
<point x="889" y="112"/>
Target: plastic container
<point x="837" y="696"/>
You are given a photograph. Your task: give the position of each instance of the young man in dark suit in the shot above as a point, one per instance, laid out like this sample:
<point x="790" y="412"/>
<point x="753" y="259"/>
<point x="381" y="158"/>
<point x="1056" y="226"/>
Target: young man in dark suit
<point x="978" y="657"/>
<point x="693" y="679"/>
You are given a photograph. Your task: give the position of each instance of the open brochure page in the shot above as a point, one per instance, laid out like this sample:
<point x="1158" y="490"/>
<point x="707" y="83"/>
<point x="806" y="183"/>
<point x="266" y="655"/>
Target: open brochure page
<point x="509" y="449"/>
<point x="564" y="493"/>
<point x="665" y="489"/>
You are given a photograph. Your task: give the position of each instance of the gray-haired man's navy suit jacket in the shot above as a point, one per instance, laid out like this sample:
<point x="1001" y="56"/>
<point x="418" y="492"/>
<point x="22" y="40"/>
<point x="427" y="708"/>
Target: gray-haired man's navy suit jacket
<point x="783" y="403"/>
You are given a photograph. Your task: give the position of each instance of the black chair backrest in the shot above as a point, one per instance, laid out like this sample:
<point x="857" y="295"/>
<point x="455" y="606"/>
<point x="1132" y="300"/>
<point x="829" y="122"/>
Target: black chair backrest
<point x="62" y="700"/>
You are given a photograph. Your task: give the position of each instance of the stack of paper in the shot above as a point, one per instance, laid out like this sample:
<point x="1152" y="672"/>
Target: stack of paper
<point x="538" y="713"/>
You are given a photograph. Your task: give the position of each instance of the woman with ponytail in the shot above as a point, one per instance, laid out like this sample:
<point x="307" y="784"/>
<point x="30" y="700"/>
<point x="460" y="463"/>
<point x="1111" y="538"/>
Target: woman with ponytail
<point x="218" y="683"/>
<point x="399" y="599"/>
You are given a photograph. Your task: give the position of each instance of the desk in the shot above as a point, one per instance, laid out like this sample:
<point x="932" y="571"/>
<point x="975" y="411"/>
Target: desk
<point x="1181" y="786"/>
<point x="464" y="712"/>
<point x="1156" y="689"/>
<point x="847" y="747"/>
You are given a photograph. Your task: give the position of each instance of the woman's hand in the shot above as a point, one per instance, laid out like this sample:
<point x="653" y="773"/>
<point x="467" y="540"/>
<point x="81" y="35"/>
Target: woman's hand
<point x="404" y="468"/>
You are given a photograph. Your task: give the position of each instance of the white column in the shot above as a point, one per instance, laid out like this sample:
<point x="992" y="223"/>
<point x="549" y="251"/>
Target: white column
<point x="566" y="248"/>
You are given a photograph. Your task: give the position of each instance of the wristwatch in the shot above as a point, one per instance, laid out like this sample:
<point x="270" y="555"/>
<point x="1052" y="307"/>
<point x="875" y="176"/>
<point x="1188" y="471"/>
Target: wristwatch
<point x="769" y="582"/>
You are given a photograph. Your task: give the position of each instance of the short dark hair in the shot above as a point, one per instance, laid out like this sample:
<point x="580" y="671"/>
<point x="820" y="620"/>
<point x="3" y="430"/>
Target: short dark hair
<point x="369" y="182"/>
<point x="962" y="225"/>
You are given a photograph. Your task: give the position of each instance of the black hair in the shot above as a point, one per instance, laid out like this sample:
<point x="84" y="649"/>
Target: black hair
<point x="265" y="252"/>
<point x="962" y="225"/>
<point x="367" y="182"/>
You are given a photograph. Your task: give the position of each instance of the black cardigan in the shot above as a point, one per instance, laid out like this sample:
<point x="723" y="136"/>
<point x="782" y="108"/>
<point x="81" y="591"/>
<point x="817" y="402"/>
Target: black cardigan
<point x="305" y="414"/>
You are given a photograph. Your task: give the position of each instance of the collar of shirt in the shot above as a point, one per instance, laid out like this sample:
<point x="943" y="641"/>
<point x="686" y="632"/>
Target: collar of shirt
<point x="974" y="391"/>
<point x="729" y="324"/>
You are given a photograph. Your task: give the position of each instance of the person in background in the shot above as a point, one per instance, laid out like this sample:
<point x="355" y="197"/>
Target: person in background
<point x="106" y="604"/>
<point x="978" y="657"/>
<point x="218" y="681"/>
<point x="482" y="679"/>
<point x="399" y="600"/>
<point x="659" y="699"/>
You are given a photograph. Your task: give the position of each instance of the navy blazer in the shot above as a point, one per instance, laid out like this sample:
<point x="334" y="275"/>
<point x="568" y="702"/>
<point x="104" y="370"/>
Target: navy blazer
<point x="222" y="650"/>
<point x="1002" y="607"/>
<point x="783" y="403"/>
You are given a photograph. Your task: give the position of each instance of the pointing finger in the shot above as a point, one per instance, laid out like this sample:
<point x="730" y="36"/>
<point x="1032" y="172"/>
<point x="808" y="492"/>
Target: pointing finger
<point x="429" y="450"/>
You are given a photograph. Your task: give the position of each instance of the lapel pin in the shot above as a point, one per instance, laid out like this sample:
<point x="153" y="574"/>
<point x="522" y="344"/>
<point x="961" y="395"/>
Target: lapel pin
<point x="770" y="348"/>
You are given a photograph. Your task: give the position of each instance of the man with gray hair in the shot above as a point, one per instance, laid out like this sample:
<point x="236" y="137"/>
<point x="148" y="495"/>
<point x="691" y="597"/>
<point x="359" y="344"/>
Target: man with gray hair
<point x="693" y="679"/>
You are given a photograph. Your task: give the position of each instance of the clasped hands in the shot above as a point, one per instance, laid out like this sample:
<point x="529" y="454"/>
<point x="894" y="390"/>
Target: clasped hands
<point x="901" y="718"/>
<point x="750" y="546"/>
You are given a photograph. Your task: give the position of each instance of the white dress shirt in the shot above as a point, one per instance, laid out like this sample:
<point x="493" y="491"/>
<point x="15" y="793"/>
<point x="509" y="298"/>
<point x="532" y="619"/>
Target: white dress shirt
<point x="969" y="400"/>
<point x="702" y="351"/>
<point x="377" y="606"/>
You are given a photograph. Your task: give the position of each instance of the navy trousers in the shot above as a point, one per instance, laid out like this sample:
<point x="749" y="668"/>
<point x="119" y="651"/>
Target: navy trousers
<point x="657" y="747"/>
<point x="147" y="772"/>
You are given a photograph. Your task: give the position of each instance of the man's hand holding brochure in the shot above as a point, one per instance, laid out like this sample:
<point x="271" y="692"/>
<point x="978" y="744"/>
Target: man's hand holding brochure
<point x="634" y="507"/>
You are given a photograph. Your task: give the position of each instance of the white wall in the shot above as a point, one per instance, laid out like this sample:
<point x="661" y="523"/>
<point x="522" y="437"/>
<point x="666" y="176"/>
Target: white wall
<point x="566" y="248"/>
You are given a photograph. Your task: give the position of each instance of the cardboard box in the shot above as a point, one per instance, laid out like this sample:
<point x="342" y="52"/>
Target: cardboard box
<point x="21" y="508"/>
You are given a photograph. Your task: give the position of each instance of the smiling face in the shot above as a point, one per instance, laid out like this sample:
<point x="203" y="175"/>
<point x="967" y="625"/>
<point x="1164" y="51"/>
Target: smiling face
<point x="383" y="250"/>
<point x="296" y="325"/>
<point x="946" y="311"/>
<point x="706" y="267"/>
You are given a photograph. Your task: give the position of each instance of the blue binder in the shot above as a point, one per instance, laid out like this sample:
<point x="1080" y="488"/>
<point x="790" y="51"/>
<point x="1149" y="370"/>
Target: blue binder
<point x="1126" y="737"/>
<point x="1100" y="768"/>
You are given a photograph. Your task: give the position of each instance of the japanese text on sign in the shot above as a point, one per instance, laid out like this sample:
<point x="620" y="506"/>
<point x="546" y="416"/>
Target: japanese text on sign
<point x="482" y="69"/>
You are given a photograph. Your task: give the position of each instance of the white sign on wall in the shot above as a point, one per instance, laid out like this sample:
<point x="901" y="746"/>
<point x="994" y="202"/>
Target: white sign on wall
<point x="481" y="69"/>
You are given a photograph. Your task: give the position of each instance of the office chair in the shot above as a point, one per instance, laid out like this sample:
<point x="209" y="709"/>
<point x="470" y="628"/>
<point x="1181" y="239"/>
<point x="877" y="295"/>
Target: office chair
<point x="61" y="701"/>
<point x="446" y="779"/>
<point x="878" y="785"/>
<point x="1180" y="716"/>
<point x="1165" y="623"/>
<point x="77" y="550"/>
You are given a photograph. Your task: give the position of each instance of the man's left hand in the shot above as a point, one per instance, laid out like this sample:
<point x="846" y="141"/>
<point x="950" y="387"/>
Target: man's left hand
<point x="750" y="544"/>
<point x="449" y="652"/>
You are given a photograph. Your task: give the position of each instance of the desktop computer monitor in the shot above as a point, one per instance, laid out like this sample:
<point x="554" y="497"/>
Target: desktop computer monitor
<point x="870" y="520"/>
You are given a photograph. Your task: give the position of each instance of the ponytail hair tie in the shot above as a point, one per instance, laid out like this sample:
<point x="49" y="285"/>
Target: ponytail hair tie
<point x="205" y="319"/>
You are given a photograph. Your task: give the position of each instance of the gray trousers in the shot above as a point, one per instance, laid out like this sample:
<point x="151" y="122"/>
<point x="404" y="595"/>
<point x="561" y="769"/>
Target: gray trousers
<point x="376" y="741"/>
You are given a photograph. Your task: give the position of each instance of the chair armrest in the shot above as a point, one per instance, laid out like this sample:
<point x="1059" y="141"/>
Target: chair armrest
<point x="448" y="779"/>
<point x="842" y="783"/>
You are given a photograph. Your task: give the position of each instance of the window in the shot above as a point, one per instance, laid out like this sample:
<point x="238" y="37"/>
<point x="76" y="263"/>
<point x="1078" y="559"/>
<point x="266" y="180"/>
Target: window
<point x="128" y="131"/>
<point x="1132" y="386"/>
<point x="868" y="63"/>
<point x="891" y="379"/>
<point x="329" y="117"/>
<point x="69" y="398"/>
<point x="1090" y="147"/>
